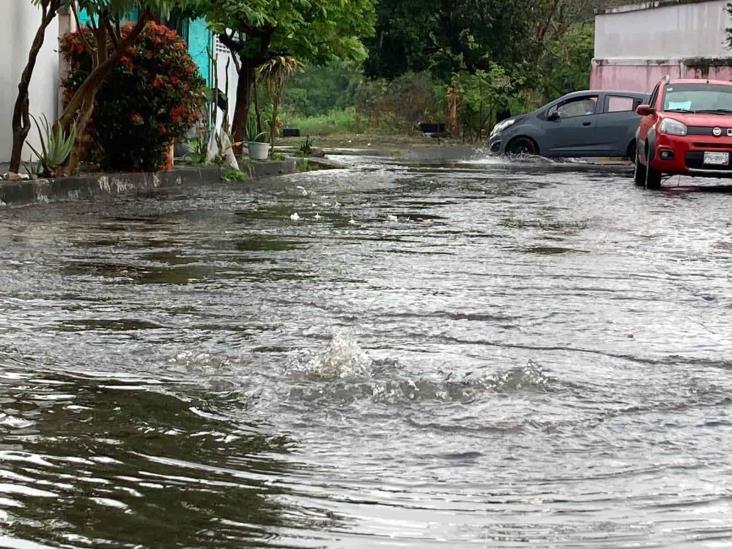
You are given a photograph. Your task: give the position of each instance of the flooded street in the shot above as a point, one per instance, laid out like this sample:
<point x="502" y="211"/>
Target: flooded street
<point x="463" y="354"/>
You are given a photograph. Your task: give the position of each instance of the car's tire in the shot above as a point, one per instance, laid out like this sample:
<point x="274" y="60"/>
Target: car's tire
<point x="639" y="173"/>
<point x="653" y="177"/>
<point x="630" y="151"/>
<point x="522" y="145"/>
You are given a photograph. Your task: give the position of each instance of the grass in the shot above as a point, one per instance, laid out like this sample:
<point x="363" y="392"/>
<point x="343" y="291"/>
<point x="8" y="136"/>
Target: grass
<point x="334" y="122"/>
<point x="345" y="128"/>
<point x="372" y="139"/>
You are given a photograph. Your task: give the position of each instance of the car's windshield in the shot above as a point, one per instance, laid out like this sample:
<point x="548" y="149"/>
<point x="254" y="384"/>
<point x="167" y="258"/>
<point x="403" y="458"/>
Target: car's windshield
<point x="698" y="98"/>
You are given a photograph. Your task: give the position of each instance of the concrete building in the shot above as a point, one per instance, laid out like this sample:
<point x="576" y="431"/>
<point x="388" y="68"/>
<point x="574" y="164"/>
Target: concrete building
<point x="637" y="45"/>
<point x="21" y="20"/>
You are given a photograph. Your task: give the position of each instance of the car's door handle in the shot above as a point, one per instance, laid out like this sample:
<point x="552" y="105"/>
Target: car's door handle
<point x="587" y="123"/>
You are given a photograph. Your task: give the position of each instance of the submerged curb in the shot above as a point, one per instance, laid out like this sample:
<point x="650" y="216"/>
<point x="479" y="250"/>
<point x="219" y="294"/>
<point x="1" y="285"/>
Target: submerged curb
<point x="85" y="187"/>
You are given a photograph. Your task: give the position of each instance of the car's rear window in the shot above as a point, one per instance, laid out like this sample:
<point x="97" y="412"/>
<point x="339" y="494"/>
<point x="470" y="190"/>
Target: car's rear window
<point x="698" y="98"/>
<point x="620" y="103"/>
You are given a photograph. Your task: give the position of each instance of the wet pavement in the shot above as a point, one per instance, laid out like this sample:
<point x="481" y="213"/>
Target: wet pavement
<point x="429" y="354"/>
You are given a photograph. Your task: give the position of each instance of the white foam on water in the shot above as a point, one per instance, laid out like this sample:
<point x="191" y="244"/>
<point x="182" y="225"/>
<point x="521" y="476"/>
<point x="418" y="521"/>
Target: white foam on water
<point x="14" y="422"/>
<point x="342" y="359"/>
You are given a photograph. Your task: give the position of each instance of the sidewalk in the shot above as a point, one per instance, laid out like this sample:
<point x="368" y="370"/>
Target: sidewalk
<point x="87" y="186"/>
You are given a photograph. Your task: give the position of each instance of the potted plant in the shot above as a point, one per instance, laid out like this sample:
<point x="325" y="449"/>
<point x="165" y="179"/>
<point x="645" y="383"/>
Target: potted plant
<point x="256" y="141"/>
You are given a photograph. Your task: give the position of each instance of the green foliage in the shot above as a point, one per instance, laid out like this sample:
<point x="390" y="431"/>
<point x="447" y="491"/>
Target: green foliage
<point x="309" y="31"/>
<point x="120" y="8"/>
<point x="306" y="149"/>
<point x="56" y="145"/>
<point x="149" y="100"/>
<point x="302" y="165"/>
<point x="402" y="103"/>
<point x="481" y="96"/>
<point x="566" y="63"/>
<point x="253" y="133"/>
<point x="320" y="89"/>
<point x="499" y="58"/>
<point x="306" y="30"/>
<point x="229" y="175"/>
<point x="273" y="74"/>
<point x="336" y="121"/>
<point x="466" y="35"/>
<point x="198" y="147"/>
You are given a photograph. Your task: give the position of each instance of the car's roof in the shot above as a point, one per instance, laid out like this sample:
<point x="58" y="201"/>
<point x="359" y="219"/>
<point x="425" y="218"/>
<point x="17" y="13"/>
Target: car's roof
<point x="699" y="81"/>
<point x="613" y="92"/>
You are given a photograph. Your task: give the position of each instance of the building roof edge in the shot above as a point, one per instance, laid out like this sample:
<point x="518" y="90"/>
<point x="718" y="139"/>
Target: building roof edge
<point x="641" y="6"/>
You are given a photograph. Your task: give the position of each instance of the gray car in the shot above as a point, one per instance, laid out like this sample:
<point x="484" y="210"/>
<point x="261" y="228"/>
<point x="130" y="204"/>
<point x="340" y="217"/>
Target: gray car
<point x="587" y="123"/>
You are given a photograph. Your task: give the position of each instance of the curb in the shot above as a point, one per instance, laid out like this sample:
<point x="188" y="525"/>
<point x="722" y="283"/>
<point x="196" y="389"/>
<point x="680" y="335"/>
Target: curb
<point x="85" y="187"/>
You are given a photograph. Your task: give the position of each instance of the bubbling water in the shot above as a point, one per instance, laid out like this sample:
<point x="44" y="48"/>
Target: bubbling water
<point x="342" y="359"/>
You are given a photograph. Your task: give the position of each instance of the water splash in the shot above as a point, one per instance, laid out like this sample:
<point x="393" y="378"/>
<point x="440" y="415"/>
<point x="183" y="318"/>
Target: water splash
<point x="342" y="359"/>
<point x="531" y="378"/>
<point x="358" y="382"/>
<point x="200" y="363"/>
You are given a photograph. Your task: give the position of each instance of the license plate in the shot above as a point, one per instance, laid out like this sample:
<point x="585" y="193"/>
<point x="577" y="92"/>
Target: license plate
<point x="716" y="158"/>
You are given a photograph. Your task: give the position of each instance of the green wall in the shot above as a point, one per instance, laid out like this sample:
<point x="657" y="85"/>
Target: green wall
<point x="200" y="44"/>
<point x="195" y="33"/>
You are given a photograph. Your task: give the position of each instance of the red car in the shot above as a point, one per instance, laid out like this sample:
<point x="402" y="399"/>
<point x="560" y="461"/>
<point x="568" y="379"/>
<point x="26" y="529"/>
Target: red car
<point x="686" y="129"/>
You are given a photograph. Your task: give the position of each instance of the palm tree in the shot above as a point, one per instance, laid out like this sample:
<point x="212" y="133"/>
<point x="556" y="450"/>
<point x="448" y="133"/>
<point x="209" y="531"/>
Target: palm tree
<point x="274" y="74"/>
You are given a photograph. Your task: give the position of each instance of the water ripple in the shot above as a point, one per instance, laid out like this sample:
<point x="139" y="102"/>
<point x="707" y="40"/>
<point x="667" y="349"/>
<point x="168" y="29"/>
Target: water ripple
<point x="433" y="353"/>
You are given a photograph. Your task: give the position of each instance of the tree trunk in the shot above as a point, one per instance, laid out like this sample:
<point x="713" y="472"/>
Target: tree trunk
<point x="243" y="98"/>
<point x="21" y="121"/>
<point x="273" y="122"/>
<point x="80" y="108"/>
<point x="257" y="111"/>
<point x="247" y="75"/>
<point x="96" y="78"/>
<point x="79" y="151"/>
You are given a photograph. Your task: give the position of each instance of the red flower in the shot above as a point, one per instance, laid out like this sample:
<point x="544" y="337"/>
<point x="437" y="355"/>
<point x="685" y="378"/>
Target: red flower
<point x="127" y="62"/>
<point x="150" y="98"/>
<point x="176" y="114"/>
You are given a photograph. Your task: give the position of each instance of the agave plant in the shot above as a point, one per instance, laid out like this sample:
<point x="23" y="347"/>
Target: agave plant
<point x="254" y="136"/>
<point x="56" y="146"/>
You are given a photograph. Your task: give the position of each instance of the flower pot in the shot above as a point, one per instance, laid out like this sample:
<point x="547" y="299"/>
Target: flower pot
<point x="169" y="158"/>
<point x="258" y="151"/>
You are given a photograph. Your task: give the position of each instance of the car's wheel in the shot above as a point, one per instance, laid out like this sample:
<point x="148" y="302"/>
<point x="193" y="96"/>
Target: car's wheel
<point x="653" y="177"/>
<point x="639" y="174"/>
<point x="522" y="145"/>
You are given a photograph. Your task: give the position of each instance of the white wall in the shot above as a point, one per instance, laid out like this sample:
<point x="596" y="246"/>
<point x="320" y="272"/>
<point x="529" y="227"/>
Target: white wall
<point x="663" y="30"/>
<point x="224" y="61"/>
<point x="20" y="20"/>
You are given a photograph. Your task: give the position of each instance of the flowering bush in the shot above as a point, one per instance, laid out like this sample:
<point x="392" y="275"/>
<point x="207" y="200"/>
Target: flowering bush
<point x="151" y="98"/>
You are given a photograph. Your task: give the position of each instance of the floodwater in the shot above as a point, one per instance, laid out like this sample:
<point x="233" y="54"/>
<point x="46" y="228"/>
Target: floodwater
<point x="469" y="354"/>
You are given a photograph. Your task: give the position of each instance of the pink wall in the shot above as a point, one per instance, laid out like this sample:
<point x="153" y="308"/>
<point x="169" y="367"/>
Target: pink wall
<point x="712" y="73"/>
<point x="643" y="77"/>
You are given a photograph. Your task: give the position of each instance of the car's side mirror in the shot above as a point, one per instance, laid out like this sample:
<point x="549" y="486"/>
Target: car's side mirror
<point x="645" y="110"/>
<point x="553" y="114"/>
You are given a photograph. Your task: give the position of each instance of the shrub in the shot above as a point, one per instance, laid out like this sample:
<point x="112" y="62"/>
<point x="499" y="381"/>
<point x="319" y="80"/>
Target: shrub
<point x="481" y="97"/>
<point x="401" y="104"/>
<point x="151" y="98"/>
